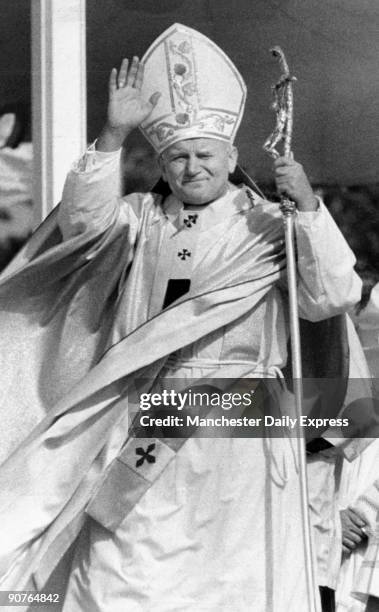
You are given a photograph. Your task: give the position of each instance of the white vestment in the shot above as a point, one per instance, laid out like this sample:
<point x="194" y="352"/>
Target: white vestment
<point x="220" y="530"/>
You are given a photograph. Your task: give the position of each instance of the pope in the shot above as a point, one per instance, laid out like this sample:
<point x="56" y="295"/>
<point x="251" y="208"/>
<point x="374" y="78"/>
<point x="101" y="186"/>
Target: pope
<point x="162" y="293"/>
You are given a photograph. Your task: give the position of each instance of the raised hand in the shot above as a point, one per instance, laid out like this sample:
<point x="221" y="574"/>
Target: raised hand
<point x="126" y="107"/>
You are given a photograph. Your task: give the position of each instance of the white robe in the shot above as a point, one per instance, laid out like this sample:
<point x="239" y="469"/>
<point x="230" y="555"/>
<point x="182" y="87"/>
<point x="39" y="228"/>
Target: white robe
<point x="220" y="529"/>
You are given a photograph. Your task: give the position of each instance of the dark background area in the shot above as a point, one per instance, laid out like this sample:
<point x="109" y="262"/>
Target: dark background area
<point x="332" y="47"/>
<point x="15" y="56"/>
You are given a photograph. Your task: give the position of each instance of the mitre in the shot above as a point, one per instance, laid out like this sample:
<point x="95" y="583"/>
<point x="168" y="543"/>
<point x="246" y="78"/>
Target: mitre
<point x="202" y="93"/>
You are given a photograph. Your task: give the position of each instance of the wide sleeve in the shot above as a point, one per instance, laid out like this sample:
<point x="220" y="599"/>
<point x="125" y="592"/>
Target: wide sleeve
<point x="92" y="195"/>
<point x="327" y="282"/>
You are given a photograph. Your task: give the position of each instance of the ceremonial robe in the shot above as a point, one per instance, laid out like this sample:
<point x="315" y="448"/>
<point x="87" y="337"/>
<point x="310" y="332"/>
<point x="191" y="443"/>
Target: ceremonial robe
<point x="212" y="533"/>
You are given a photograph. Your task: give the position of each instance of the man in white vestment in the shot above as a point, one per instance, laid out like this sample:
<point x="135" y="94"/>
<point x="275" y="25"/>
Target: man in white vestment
<point x="181" y="288"/>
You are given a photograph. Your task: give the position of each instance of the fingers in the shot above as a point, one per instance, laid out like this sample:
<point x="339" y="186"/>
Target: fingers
<point x="122" y="75"/>
<point x="349" y="544"/>
<point x="139" y="76"/>
<point x="113" y="81"/>
<point x="283" y="165"/>
<point x="351" y="528"/>
<point x="352" y="524"/>
<point x="292" y="182"/>
<point x="356" y="519"/>
<point x="125" y="78"/>
<point x="283" y="161"/>
<point x="354" y="536"/>
<point x="130" y="81"/>
<point x="346" y="550"/>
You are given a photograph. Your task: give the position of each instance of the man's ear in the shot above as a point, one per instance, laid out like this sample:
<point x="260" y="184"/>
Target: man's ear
<point x="162" y="168"/>
<point x="232" y="159"/>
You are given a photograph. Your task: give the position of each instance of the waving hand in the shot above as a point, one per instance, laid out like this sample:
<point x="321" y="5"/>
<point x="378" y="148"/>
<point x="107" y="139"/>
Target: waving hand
<point x="127" y="109"/>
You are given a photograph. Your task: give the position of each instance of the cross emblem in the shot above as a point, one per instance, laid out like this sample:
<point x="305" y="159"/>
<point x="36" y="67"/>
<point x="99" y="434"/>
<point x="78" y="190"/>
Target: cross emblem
<point x="183" y="254"/>
<point x="190" y="220"/>
<point x="145" y="455"/>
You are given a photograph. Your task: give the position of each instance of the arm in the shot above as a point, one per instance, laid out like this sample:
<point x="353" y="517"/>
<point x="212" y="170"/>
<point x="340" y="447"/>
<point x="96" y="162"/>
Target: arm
<point x="91" y="195"/>
<point x="327" y="283"/>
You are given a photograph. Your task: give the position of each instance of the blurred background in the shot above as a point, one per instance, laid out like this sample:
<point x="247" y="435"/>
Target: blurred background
<point x="55" y="61"/>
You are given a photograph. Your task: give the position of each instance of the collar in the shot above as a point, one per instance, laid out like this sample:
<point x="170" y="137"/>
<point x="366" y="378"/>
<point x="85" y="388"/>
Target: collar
<point x="235" y="201"/>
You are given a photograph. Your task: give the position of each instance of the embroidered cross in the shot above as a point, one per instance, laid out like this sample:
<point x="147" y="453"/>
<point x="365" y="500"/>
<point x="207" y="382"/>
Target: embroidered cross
<point x="183" y="254"/>
<point x="190" y="220"/>
<point x="145" y="455"/>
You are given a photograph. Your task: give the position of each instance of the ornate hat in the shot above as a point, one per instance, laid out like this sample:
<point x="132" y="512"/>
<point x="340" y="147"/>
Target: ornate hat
<point x="202" y="93"/>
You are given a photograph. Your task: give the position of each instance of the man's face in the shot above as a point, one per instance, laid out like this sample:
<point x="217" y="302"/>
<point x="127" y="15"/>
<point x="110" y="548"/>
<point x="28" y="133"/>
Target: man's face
<point x="197" y="169"/>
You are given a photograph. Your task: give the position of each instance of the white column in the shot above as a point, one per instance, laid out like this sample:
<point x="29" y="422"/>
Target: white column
<point x="58" y="96"/>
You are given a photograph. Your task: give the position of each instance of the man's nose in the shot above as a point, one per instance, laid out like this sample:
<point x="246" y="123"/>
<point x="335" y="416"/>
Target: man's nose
<point x="192" y="166"/>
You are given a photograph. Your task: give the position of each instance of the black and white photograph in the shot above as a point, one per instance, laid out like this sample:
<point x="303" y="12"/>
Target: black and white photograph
<point x="189" y="305"/>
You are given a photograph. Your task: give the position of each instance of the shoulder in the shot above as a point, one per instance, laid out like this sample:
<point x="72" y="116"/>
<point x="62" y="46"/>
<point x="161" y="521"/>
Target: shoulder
<point x="248" y="201"/>
<point x="143" y="204"/>
<point x="260" y="214"/>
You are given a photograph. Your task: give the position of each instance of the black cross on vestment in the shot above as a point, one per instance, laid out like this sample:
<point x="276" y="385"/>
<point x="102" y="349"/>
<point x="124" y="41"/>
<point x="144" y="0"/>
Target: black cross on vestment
<point x="145" y="455"/>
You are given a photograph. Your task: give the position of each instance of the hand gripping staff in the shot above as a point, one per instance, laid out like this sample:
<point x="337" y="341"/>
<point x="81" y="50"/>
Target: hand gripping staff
<point x="283" y="107"/>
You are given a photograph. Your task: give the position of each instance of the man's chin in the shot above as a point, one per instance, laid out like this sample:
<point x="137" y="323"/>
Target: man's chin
<point x="196" y="197"/>
<point x="196" y="201"/>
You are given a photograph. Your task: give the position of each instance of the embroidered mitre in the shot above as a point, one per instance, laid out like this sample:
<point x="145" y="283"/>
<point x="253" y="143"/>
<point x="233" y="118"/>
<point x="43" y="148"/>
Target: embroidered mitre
<point x="202" y="93"/>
